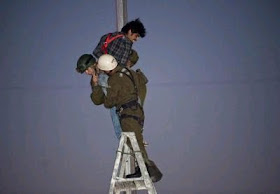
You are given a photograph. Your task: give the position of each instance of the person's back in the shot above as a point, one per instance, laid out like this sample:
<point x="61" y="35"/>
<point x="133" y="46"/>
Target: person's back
<point x="122" y="88"/>
<point x="117" y="48"/>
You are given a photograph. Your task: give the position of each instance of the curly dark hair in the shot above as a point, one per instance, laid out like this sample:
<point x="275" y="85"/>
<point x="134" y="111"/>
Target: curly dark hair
<point x="136" y="26"/>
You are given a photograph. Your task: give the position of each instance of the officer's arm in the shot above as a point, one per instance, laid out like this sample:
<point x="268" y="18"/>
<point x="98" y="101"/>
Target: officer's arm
<point x="97" y="95"/>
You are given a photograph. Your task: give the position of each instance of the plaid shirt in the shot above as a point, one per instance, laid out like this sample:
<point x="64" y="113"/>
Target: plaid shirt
<point x="119" y="48"/>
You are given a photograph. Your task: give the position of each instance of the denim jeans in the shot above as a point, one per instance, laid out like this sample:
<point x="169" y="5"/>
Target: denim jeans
<point x="103" y="82"/>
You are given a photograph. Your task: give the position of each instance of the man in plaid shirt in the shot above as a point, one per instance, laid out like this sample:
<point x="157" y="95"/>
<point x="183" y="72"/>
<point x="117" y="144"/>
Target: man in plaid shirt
<point x="119" y="45"/>
<point x="121" y="42"/>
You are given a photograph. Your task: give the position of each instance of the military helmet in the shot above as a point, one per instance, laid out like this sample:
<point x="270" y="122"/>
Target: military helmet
<point x="107" y="62"/>
<point x="84" y="62"/>
<point x="133" y="57"/>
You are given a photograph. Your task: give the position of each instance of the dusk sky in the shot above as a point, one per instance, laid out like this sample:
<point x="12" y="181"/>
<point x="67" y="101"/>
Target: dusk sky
<point x="212" y="108"/>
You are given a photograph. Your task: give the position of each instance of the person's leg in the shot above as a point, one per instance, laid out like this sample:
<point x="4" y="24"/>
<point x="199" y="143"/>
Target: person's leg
<point x="103" y="82"/>
<point x="132" y="125"/>
<point x="116" y="122"/>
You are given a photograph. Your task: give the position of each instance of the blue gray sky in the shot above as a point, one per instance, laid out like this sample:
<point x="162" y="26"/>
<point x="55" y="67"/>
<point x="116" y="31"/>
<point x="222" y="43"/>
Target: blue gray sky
<point x="212" y="108"/>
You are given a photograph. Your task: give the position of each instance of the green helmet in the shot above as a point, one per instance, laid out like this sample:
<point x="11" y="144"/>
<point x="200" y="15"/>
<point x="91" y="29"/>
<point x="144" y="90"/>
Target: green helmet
<point x="133" y="57"/>
<point x="84" y="62"/>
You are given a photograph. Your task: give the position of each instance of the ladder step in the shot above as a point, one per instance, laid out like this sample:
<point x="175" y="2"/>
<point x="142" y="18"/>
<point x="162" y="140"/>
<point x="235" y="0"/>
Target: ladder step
<point x="134" y="184"/>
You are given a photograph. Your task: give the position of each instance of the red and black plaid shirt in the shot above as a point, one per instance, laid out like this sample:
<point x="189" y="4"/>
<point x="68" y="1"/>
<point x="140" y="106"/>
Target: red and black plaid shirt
<point x="119" y="48"/>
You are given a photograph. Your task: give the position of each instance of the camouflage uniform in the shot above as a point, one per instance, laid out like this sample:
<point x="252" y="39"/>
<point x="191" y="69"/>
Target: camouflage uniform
<point x="122" y="92"/>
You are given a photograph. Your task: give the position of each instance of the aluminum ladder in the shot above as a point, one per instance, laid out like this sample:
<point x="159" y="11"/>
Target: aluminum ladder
<point x="122" y="167"/>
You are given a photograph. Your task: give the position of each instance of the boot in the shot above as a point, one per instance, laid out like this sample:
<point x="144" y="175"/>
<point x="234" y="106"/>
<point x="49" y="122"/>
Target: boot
<point x="153" y="171"/>
<point x="136" y="174"/>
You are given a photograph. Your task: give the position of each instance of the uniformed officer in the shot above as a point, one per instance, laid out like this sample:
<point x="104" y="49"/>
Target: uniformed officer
<point x="122" y="92"/>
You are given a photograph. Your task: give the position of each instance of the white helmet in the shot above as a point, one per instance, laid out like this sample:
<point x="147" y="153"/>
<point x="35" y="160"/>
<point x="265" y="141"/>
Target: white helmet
<point x="107" y="62"/>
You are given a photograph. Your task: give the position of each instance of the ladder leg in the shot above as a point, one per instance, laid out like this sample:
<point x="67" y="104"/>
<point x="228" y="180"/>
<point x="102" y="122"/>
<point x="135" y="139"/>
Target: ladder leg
<point x="117" y="163"/>
<point x="148" y="182"/>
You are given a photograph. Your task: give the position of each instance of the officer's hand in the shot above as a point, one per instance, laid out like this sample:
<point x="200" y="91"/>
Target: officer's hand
<point x="96" y="70"/>
<point x="95" y="79"/>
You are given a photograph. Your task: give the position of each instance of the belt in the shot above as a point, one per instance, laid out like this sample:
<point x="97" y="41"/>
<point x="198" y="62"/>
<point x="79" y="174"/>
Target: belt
<point x="127" y="105"/>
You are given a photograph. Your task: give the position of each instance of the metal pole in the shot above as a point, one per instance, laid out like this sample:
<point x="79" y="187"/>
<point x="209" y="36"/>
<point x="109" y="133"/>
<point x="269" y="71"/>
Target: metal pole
<point x="121" y="7"/>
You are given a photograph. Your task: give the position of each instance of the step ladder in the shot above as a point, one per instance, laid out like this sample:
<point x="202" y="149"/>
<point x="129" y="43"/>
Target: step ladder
<point x="122" y="167"/>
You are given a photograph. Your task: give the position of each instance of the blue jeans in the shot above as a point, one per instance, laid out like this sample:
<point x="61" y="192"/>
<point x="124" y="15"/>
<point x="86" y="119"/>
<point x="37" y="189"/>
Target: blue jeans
<point x="103" y="82"/>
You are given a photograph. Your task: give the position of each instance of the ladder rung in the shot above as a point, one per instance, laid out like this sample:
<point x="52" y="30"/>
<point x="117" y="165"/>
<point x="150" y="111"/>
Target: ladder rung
<point x="131" y="184"/>
<point x="119" y="179"/>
